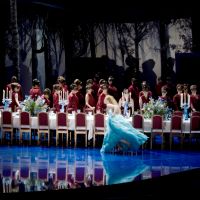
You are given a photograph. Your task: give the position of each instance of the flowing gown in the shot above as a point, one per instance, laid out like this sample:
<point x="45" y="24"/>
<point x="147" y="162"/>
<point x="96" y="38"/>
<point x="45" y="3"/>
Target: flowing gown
<point x="119" y="129"/>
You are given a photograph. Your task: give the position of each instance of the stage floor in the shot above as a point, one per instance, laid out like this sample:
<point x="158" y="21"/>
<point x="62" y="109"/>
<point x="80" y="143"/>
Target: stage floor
<point x="26" y="169"/>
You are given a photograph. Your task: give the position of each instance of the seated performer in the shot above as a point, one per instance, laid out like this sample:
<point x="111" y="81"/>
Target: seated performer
<point x="15" y="97"/>
<point x="126" y="103"/>
<point x="46" y="96"/>
<point x="120" y="133"/>
<point x="35" y="91"/>
<point x="144" y="95"/>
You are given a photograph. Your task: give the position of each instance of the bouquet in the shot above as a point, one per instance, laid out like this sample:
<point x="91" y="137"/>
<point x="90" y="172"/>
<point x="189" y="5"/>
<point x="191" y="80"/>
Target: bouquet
<point x="34" y="107"/>
<point x="154" y="107"/>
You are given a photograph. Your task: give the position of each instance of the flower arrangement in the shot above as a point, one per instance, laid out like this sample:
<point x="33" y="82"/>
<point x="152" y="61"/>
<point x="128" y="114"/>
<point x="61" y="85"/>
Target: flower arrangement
<point x="154" y="107"/>
<point x="34" y="107"/>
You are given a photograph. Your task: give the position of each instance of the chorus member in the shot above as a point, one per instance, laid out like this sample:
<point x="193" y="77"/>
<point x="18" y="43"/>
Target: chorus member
<point x="56" y="97"/>
<point x="35" y="91"/>
<point x="89" y="98"/>
<point x="15" y="97"/>
<point x="194" y="99"/>
<point x="101" y="106"/>
<point x="73" y="99"/>
<point x="177" y="98"/>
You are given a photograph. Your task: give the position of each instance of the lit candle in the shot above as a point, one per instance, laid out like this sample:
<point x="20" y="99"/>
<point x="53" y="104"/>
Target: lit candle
<point x="7" y="93"/>
<point x="63" y="95"/>
<point x="10" y="94"/>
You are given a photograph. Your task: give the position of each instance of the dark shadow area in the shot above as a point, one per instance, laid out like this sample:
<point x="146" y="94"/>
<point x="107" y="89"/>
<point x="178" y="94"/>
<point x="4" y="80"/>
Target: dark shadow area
<point x="183" y="184"/>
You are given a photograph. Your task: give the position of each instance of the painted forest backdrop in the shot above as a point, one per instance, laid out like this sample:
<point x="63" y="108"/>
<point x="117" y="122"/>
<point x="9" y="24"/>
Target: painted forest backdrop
<point x="39" y="43"/>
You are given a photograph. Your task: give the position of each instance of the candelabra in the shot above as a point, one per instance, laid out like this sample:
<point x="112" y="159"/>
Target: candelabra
<point x="63" y="103"/>
<point x="185" y="111"/>
<point x="6" y="102"/>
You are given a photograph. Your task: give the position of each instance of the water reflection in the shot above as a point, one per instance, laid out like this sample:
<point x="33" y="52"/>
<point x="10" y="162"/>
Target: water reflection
<point x="122" y="169"/>
<point x="40" y="169"/>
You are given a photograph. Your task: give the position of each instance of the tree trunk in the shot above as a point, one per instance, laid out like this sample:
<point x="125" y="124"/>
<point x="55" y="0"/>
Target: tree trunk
<point x="105" y="39"/>
<point x="15" y="36"/>
<point x="92" y="42"/>
<point x="164" y="44"/>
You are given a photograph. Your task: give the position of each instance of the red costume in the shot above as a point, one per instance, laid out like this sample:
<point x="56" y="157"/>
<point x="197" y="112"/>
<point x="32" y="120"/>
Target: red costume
<point x="46" y="101"/>
<point x="135" y="95"/>
<point x="112" y="90"/>
<point x="95" y="87"/>
<point x="81" y="100"/>
<point x="145" y="99"/>
<point x="73" y="102"/>
<point x="177" y="102"/>
<point x="91" y="101"/>
<point x="35" y="92"/>
<point x="99" y="92"/>
<point x="195" y="102"/>
<point x="20" y="95"/>
<point x="56" y="102"/>
<point x="14" y="104"/>
<point x="100" y="104"/>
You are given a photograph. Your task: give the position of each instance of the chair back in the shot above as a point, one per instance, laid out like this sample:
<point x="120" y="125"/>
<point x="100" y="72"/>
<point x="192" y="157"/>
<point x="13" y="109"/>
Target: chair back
<point x="98" y="175"/>
<point x="137" y="121"/>
<point x="99" y="121"/>
<point x="61" y="120"/>
<point x="80" y="120"/>
<point x="24" y="119"/>
<point x="195" y="124"/>
<point x="6" y="119"/>
<point x="43" y="120"/>
<point x="157" y="122"/>
<point x="176" y="123"/>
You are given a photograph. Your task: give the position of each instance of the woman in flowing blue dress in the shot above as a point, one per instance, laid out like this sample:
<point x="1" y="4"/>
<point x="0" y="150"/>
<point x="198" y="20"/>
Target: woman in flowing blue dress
<point x="119" y="131"/>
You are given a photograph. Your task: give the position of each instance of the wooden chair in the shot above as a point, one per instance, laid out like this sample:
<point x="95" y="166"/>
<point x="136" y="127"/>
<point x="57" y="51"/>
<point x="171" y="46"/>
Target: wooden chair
<point x="62" y="126"/>
<point x="194" y="126"/>
<point x="80" y="127"/>
<point x="176" y="128"/>
<point x="157" y="128"/>
<point x="99" y="126"/>
<point x="6" y="125"/>
<point x="43" y="125"/>
<point x="138" y="124"/>
<point x="25" y="125"/>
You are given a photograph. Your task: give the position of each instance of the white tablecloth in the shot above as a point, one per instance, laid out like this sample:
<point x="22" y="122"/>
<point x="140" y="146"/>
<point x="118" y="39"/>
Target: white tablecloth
<point x="90" y="122"/>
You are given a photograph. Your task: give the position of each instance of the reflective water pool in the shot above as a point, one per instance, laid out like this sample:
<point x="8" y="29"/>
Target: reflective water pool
<point x="24" y="169"/>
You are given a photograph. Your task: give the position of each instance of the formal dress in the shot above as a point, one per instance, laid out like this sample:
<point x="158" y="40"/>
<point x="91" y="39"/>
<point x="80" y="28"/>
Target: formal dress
<point x="100" y="104"/>
<point x="56" y="105"/>
<point x="118" y="130"/>
<point x="35" y="92"/>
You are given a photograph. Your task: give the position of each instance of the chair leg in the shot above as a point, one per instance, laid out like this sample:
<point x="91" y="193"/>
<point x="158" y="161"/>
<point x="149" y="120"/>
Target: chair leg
<point x="38" y="142"/>
<point x="56" y="138"/>
<point x="48" y="135"/>
<point x="11" y="137"/>
<point x="86" y="139"/>
<point x="170" y="141"/>
<point x="66" y="138"/>
<point x="162" y="141"/>
<point x="30" y="138"/>
<point x="94" y="141"/>
<point x="75" y="138"/>
<point x="151" y="141"/>
<point x="20" y="137"/>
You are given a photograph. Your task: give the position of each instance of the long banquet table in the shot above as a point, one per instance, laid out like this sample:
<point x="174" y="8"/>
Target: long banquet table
<point x="90" y="123"/>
